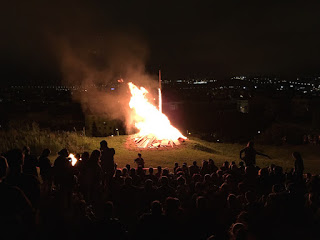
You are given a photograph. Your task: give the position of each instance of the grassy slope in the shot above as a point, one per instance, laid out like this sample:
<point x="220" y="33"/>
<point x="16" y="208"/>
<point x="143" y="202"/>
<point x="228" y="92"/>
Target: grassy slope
<point x="195" y="149"/>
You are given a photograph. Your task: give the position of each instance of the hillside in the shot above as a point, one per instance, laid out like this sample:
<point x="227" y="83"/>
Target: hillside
<point x="197" y="150"/>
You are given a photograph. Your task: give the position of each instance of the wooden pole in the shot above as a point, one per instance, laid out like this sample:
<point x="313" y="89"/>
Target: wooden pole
<point x="160" y="79"/>
<point x="160" y="97"/>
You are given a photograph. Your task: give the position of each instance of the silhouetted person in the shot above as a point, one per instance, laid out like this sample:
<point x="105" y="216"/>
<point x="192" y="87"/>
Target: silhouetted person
<point x="183" y="190"/>
<point x="63" y="176"/>
<point x="185" y="170"/>
<point x="159" y="172"/>
<point x="238" y="231"/>
<point x="225" y="166"/>
<point x="109" y="225"/>
<point x="128" y="167"/>
<point x="165" y="190"/>
<point x="107" y="162"/>
<point x="61" y="164"/>
<point x="202" y="218"/>
<point x="117" y="180"/>
<point x="250" y="154"/>
<point x="174" y="215"/>
<point x="45" y="170"/>
<point x="28" y="183"/>
<point x="148" y="194"/>
<point x="241" y="167"/>
<point x="153" y="222"/>
<point x="92" y="177"/>
<point x="84" y="160"/>
<point x="194" y="168"/>
<point x="16" y="213"/>
<point x="234" y="207"/>
<point x="141" y="172"/>
<point x="139" y="161"/>
<point x="136" y="180"/>
<point x="298" y="165"/>
<point x="212" y="166"/>
<point x="176" y="166"/>
<point x="205" y="168"/>
<point x="125" y="173"/>
<point x="151" y="176"/>
<point x="128" y="202"/>
<point x="30" y="162"/>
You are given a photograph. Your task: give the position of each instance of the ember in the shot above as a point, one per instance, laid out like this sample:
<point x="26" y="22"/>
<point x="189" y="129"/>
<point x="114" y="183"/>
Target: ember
<point x="155" y="129"/>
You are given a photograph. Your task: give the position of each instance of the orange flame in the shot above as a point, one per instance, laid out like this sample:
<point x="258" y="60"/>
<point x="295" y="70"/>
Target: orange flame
<point x="149" y="120"/>
<point x="73" y="159"/>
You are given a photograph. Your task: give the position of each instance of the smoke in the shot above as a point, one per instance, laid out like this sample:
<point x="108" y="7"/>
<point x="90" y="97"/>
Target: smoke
<point x="91" y="43"/>
<point x="99" y="64"/>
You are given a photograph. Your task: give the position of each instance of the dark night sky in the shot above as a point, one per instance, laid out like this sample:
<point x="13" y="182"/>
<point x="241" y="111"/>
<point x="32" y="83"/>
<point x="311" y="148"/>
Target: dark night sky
<point x="184" y="38"/>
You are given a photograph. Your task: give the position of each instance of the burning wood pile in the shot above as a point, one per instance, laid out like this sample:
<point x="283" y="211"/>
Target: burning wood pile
<point x="151" y="141"/>
<point x="155" y="129"/>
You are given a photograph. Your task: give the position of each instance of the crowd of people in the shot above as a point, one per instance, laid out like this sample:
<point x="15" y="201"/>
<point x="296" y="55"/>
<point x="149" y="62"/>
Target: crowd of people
<point x="313" y="139"/>
<point x="94" y="199"/>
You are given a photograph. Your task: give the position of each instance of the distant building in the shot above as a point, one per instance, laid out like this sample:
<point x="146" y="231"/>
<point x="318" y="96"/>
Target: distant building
<point x="173" y="106"/>
<point x="101" y="126"/>
<point x="300" y="106"/>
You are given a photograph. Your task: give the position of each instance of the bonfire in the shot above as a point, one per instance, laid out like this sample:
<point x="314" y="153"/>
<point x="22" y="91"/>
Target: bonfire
<point x="155" y="129"/>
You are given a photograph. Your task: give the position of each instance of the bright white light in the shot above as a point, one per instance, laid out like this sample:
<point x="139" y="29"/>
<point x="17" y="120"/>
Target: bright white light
<point x="200" y="82"/>
<point x="73" y="159"/>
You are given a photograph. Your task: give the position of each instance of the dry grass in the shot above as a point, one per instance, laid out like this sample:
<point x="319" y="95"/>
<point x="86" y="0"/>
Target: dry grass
<point x="192" y="150"/>
<point x="198" y="150"/>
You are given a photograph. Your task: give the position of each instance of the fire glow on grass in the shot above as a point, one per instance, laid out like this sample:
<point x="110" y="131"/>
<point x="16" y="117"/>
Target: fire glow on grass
<point x="151" y="123"/>
<point x="73" y="159"/>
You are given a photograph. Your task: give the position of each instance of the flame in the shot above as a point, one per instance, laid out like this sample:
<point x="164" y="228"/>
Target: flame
<point x="148" y="119"/>
<point x="73" y="159"/>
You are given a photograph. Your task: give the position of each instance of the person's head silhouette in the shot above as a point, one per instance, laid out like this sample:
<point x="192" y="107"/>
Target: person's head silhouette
<point x="15" y="158"/>
<point x="63" y="152"/>
<point x="46" y="152"/>
<point x="103" y="144"/>
<point x="156" y="208"/>
<point x="250" y="144"/>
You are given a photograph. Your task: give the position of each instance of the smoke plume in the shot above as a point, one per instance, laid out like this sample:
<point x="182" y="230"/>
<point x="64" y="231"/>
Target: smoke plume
<point x="92" y="44"/>
<point x="101" y="63"/>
